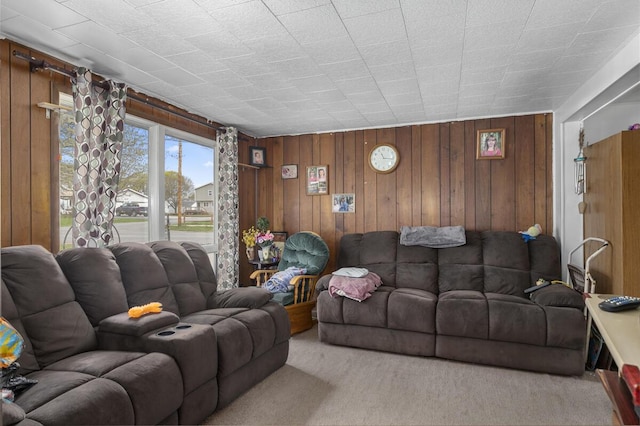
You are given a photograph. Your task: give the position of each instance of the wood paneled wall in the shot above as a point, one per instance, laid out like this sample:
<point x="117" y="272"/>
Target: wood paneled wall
<point x="438" y="182"/>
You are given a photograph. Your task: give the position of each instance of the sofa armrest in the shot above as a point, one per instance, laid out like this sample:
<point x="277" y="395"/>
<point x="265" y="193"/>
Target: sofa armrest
<point x="193" y="346"/>
<point x="12" y="413"/>
<point x="323" y="283"/>
<point x="124" y="325"/>
<point x="558" y="295"/>
<point x="244" y="297"/>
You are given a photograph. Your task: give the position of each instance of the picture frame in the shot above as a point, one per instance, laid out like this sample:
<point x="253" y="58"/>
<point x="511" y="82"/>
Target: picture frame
<point x="279" y="238"/>
<point x="343" y="203"/>
<point x="289" y="171"/>
<point x="318" y="180"/>
<point x="257" y="156"/>
<point x="490" y="144"/>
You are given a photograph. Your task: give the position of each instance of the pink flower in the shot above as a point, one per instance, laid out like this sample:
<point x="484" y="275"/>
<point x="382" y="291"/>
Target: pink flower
<point x="264" y="239"/>
<point x="635" y="126"/>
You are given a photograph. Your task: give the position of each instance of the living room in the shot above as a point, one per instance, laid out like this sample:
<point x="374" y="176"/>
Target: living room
<point x="440" y="179"/>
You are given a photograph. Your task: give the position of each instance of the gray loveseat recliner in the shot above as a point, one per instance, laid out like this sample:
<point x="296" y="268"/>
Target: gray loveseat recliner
<point x="95" y="365"/>
<point x="464" y="303"/>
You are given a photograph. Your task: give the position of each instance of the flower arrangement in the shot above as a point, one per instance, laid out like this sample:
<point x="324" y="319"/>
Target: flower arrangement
<point x="258" y="234"/>
<point x="264" y="239"/>
<point x="249" y="237"/>
<point x="635" y="126"/>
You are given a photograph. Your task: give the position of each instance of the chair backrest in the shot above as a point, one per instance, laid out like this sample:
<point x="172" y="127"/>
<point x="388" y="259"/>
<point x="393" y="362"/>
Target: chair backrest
<point x="305" y="250"/>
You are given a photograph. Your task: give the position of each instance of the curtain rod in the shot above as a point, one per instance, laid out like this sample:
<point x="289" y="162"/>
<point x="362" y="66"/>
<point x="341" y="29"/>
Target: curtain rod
<point x="35" y="65"/>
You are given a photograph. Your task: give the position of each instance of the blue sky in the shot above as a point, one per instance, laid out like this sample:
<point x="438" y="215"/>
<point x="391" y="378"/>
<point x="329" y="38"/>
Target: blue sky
<point x="197" y="160"/>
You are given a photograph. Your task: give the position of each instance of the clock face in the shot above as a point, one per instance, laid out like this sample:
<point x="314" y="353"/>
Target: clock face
<point x="384" y="158"/>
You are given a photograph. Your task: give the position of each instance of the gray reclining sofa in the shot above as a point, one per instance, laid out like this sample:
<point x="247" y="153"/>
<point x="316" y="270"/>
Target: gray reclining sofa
<point x="95" y="365"/>
<point x="464" y="303"/>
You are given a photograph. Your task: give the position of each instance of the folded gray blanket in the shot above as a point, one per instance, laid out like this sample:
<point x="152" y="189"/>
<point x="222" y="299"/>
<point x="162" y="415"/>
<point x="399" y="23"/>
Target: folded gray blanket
<point x="433" y="236"/>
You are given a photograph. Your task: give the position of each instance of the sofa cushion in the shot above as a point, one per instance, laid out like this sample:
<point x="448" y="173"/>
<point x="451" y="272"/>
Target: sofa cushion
<point x="9" y="311"/>
<point x="95" y="278"/>
<point x="463" y="313"/>
<point x="461" y="268"/>
<point x="143" y="276"/>
<point x="53" y="321"/>
<point x="417" y="267"/>
<point x="515" y="319"/>
<point x="412" y="310"/>
<point x="182" y="276"/>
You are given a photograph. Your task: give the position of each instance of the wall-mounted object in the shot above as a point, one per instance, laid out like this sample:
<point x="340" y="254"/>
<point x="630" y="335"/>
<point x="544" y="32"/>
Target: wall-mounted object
<point x="343" y="203"/>
<point x="580" y="165"/>
<point x="257" y="156"/>
<point x="289" y="171"/>
<point x="48" y="107"/>
<point x="384" y="158"/>
<point x="490" y="144"/>
<point x="317" y="180"/>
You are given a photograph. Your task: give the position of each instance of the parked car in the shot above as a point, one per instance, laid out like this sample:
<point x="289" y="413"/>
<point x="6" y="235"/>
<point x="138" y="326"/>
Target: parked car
<point x="131" y="209"/>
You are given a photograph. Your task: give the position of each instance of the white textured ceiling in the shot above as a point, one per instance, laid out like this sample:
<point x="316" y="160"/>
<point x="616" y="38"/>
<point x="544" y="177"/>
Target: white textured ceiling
<point x="277" y="67"/>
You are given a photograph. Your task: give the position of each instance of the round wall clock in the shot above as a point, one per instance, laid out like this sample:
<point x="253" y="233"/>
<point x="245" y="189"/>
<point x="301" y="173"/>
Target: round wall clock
<point x="384" y="158"/>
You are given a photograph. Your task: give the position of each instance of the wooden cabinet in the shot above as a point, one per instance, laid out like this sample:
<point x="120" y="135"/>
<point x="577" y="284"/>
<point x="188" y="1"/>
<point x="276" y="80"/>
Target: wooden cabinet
<point x="613" y="211"/>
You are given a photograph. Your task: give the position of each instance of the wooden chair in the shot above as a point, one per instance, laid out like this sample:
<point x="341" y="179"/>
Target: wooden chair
<point x="303" y="250"/>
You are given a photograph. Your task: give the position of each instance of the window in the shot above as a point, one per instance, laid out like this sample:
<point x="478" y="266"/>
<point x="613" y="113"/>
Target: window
<point x="166" y="188"/>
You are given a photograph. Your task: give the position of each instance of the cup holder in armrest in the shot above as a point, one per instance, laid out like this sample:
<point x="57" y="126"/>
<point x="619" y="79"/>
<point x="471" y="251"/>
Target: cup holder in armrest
<point x="173" y="330"/>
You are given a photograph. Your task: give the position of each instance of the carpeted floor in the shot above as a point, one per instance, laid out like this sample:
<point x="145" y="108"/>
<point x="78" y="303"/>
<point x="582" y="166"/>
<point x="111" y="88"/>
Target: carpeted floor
<point x="332" y="385"/>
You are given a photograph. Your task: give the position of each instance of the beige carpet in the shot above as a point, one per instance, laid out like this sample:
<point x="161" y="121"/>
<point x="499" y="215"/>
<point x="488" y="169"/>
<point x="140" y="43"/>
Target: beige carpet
<point x="333" y="385"/>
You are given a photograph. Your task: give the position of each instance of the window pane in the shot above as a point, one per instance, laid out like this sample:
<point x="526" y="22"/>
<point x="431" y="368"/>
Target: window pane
<point x="132" y="202"/>
<point x="189" y="191"/>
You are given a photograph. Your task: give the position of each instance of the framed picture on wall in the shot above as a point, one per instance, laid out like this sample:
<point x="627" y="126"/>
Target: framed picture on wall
<point x="343" y="203"/>
<point x="317" y="180"/>
<point x="289" y="171"/>
<point x="257" y="156"/>
<point x="490" y="144"/>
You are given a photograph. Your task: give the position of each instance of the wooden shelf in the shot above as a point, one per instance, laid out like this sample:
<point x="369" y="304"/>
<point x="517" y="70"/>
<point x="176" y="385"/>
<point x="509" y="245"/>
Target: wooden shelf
<point x="249" y="166"/>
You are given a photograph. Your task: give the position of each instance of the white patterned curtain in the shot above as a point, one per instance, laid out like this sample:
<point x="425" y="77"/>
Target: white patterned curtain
<point x="99" y="110"/>
<point x="227" y="269"/>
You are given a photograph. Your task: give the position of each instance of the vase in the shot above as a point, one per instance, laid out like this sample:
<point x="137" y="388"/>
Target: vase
<point x="251" y="254"/>
<point x="265" y="254"/>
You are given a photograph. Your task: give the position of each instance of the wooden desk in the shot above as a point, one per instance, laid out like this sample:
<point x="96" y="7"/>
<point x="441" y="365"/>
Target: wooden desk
<point x="621" y="334"/>
<point x="620" y="330"/>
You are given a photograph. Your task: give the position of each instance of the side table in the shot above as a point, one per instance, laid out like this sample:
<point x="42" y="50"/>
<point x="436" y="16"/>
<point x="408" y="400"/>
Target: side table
<point x="621" y="334"/>
<point x="259" y="264"/>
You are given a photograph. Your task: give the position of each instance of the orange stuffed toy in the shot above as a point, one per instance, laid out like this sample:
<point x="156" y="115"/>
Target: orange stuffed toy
<point x="138" y="311"/>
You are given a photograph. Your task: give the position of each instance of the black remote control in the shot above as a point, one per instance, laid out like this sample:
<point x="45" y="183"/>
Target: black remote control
<point x="537" y="287"/>
<point x="619" y="303"/>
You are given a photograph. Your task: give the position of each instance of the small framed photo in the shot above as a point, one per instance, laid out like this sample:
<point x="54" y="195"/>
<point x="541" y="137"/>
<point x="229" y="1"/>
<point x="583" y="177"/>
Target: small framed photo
<point x="343" y="203"/>
<point x="290" y="171"/>
<point x="317" y="180"/>
<point x="490" y="144"/>
<point x="257" y="156"/>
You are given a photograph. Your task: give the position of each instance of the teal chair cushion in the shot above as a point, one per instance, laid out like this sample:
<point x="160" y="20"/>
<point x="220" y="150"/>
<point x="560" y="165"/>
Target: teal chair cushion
<point x="283" y="298"/>
<point x="305" y="250"/>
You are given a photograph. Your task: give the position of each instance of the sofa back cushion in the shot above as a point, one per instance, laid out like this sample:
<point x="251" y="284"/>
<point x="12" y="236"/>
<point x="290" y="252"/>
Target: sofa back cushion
<point x="511" y="264"/>
<point x="143" y="276"/>
<point x="53" y="321"/>
<point x="9" y="311"/>
<point x="95" y="278"/>
<point x="182" y="275"/>
<point x="490" y="261"/>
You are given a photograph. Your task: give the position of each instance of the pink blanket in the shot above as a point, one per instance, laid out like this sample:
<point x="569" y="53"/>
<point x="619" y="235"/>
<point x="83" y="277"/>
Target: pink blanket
<point x="357" y="289"/>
